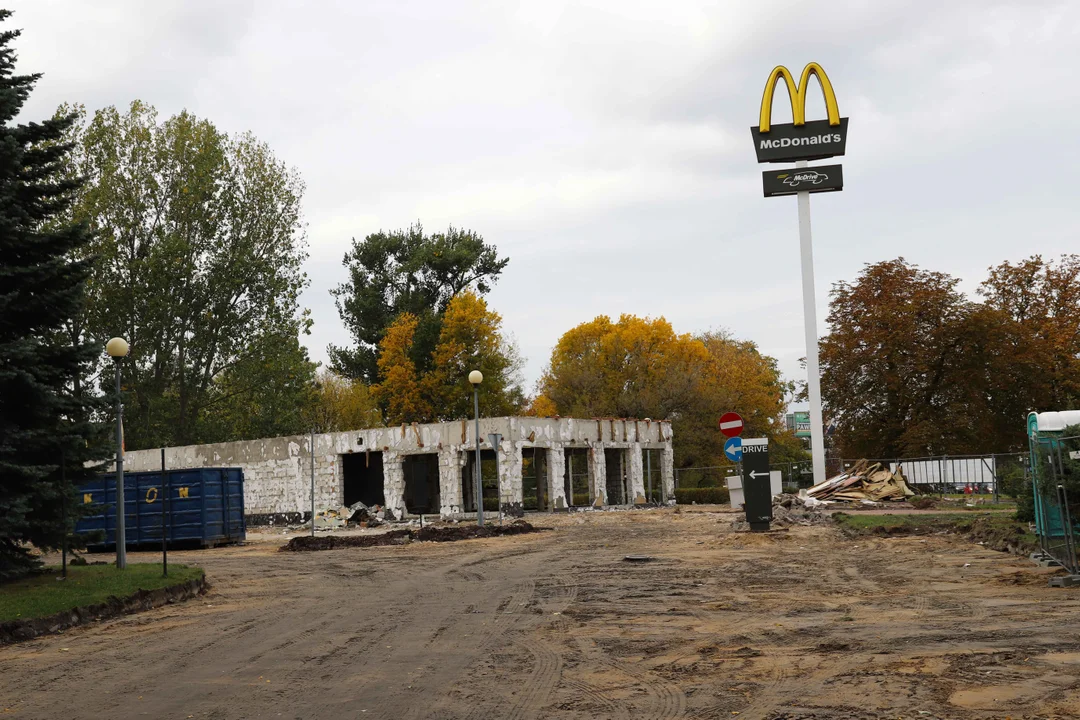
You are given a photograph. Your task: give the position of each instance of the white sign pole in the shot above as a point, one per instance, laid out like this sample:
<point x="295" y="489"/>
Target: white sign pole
<point x="806" y="247"/>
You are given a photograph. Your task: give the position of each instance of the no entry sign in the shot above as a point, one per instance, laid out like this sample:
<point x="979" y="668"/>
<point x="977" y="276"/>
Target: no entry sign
<point x="731" y="424"/>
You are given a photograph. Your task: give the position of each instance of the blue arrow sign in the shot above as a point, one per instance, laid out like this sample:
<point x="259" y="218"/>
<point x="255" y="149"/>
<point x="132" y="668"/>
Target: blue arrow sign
<point x="733" y="449"/>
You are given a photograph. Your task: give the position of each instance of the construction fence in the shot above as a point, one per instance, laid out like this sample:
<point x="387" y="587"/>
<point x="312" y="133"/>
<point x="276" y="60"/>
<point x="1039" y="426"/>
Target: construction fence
<point x="995" y="474"/>
<point x="1055" y="462"/>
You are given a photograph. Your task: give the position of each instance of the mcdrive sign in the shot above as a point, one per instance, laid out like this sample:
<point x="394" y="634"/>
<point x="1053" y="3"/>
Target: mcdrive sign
<point x="799" y="140"/>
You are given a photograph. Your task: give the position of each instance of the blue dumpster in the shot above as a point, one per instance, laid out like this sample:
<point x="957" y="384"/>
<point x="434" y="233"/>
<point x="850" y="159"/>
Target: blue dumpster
<point x="205" y="508"/>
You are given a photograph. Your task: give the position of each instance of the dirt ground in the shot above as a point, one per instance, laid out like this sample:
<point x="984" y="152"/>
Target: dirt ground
<point x="797" y="624"/>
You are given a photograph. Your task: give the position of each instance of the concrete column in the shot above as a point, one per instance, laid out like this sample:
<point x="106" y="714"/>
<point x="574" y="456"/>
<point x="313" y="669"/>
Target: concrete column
<point x="556" y="469"/>
<point x="394" y="483"/>
<point x="511" y="494"/>
<point x="450" y="464"/>
<point x="667" y="473"/>
<point x="597" y="474"/>
<point x="637" y="475"/>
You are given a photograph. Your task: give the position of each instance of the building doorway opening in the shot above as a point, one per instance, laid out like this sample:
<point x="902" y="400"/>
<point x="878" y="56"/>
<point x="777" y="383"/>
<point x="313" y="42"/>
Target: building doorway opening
<point x="576" y="477"/>
<point x="362" y="478"/>
<point x="650" y="464"/>
<point x="421" y="483"/>
<point x="534" y="479"/>
<point x="491" y="483"/>
<point x="615" y="471"/>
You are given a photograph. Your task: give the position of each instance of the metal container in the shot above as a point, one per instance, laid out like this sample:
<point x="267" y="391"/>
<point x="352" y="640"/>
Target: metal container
<point x="205" y="507"/>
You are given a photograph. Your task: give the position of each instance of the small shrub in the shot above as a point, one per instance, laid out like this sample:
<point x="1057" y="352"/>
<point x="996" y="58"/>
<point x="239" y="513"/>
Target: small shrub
<point x="582" y="499"/>
<point x="702" y="496"/>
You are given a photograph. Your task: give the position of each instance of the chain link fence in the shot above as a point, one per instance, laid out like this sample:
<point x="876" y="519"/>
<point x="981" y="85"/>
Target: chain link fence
<point x="996" y="475"/>
<point x="1055" y="477"/>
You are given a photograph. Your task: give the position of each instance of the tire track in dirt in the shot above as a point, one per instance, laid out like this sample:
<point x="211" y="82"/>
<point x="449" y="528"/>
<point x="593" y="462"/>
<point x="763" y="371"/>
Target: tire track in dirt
<point x="547" y="672"/>
<point x="784" y="688"/>
<point x="593" y="693"/>
<point x="548" y="663"/>
<point x="667" y="701"/>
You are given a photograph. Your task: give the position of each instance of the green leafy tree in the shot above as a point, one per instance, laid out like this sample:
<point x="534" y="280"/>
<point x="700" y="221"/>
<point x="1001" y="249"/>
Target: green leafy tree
<point x="342" y="404"/>
<point x="406" y="271"/>
<point x="199" y="246"/>
<point x="45" y="418"/>
<point x="268" y="393"/>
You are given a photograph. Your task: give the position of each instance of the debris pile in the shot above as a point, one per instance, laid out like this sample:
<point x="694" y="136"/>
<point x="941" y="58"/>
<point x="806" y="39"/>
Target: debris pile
<point x="400" y="537"/>
<point x="865" y="481"/>
<point x="357" y="513"/>
<point x="788" y="510"/>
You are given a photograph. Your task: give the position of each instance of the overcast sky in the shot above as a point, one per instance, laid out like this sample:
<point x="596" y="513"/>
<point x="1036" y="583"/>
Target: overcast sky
<point x="604" y="146"/>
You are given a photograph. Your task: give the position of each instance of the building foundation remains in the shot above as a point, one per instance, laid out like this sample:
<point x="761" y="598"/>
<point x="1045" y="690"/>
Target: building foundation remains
<point x="348" y="465"/>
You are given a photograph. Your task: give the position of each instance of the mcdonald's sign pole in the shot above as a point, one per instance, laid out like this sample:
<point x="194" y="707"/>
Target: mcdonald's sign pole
<point x="801" y="141"/>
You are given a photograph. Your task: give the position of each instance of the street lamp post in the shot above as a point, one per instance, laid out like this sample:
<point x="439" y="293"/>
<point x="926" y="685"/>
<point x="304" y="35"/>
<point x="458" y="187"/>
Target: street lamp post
<point x="117" y="348"/>
<point x="476" y="377"/>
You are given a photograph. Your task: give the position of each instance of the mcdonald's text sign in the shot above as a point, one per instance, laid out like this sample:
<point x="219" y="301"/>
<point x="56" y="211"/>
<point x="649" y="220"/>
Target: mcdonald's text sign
<point x="799" y="140"/>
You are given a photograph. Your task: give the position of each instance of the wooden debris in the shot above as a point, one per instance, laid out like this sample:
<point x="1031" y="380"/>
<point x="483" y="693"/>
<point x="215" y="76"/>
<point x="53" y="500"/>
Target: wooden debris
<point x="864" y="481"/>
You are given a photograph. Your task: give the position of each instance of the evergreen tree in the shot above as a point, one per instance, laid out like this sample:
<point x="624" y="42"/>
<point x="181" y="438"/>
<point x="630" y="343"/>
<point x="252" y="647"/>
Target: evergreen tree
<point x="44" y="416"/>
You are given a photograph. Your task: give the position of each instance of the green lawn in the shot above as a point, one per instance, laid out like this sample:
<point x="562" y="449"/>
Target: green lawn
<point x="45" y="594"/>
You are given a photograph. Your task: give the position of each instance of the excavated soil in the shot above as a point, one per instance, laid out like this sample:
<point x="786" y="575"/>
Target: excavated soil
<point x="1009" y="538"/>
<point x="450" y="533"/>
<point x="799" y="624"/>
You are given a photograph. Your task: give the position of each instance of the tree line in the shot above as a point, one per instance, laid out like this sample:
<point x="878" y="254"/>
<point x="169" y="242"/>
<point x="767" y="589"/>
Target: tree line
<point x="913" y="367"/>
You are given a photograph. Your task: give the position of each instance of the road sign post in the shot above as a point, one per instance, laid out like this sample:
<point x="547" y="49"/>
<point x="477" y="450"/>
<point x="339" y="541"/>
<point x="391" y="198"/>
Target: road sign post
<point x="757" y="492"/>
<point x="799" y="141"/>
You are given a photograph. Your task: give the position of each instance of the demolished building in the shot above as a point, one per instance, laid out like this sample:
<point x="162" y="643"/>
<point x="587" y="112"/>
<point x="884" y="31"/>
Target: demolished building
<point x="545" y="464"/>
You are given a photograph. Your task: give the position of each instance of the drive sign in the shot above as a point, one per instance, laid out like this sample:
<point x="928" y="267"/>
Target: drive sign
<point x="731" y="424"/>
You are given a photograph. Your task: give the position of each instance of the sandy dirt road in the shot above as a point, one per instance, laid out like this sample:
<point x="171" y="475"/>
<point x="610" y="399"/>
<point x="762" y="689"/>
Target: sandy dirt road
<point x="799" y="624"/>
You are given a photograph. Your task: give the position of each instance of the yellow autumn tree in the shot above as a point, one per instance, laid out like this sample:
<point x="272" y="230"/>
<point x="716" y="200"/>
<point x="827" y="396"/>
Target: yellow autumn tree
<point x="640" y="367"/>
<point x="470" y="338"/>
<point x="399" y="389"/>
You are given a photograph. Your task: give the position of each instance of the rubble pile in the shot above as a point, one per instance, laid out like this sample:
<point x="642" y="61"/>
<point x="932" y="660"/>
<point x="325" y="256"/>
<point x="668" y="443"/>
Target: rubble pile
<point x="357" y="513"/>
<point x="865" y="481"/>
<point x="788" y="510"/>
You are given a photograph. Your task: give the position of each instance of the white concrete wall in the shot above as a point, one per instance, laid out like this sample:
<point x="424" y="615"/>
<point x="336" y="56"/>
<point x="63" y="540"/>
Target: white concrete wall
<point x="277" y="471"/>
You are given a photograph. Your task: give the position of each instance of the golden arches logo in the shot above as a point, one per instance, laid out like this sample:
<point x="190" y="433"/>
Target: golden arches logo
<point x="797" y="93"/>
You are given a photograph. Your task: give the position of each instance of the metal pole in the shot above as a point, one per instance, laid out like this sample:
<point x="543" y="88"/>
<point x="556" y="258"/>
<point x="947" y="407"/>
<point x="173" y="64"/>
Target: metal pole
<point x="648" y="475"/>
<point x="813" y="375"/>
<point x="313" y="482"/>
<point x="63" y="516"/>
<point x="498" y="479"/>
<point x="1066" y="526"/>
<point x="121" y="504"/>
<point x="164" y="534"/>
<point x="477" y="477"/>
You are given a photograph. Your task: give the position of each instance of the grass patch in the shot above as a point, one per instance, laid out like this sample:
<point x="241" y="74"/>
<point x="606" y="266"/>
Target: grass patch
<point x="43" y="595"/>
<point x="999" y="531"/>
